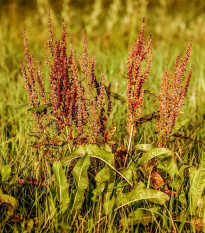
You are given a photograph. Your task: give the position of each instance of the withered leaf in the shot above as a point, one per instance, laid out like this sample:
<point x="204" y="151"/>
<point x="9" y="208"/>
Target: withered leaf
<point x="45" y="141"/>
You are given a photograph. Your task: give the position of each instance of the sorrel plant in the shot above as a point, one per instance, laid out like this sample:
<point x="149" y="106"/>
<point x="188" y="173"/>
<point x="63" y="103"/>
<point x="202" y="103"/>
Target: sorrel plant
<point x="77" y="106"/>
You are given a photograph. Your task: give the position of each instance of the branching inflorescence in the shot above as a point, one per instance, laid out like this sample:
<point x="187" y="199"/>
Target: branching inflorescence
<point x="76" y="99"/>
<point x="171" y="97"/>
<point x="136" y="78"/>
<point x="33" y="79"/>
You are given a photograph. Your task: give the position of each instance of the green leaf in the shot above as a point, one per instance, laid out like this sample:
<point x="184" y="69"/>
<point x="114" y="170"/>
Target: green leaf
<point x="106" y="157"/>
<point x="52" y="208"/>
<point x="183" y="199"/>
<point x="156" y="152"/>
<point x="61" y="185"/>
<point x="197" y="186"/>
<point x="13" y="179"/>
<point x="143" y="147"/>
<point x="40" y="108"/>
<point x="140" y="185"/>
<point x="29" y="223"/>
<point x="116" y="96"/>
<point x="178" y="124"/>
<point x="102" y="177"/>
<point x="192" y="172"/>
<point x="108" y="206"/>
<point x="169" y="165"/>
<point x="128" y="173"/>
<point x="182" y="170"/>
<point x="79" y="152"/>
<point x="107" y="148"/>
<point x="143" y="216"/>
<point x="81" y="180"/>
<point x="95" y="152"/>
<point x="109" y="191"/>
<point x="10" y="202"/>
<point x="5" y="173"/>
<point x="150" y="195"/>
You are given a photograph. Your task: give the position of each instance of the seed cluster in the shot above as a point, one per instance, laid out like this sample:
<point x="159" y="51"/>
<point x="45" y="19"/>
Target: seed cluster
<point x="172" y="96"/>
<point x="76" y="98"/>
<point x="136" y="77"/>
<point x="34" y="86"/>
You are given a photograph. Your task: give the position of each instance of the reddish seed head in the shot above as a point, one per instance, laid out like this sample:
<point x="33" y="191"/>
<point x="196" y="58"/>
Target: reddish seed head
<point x="171" y="98"/>
<point x="136" y="77"/>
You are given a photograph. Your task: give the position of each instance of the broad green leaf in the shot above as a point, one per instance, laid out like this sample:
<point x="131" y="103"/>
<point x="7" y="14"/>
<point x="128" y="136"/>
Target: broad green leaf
<point x="182" y="170"/>
<point x="108" y="206"/>
<point x="81" y="180"/>
<point x="156" y="152"/>
<point x="102" y="177"/>
<point x="51" y="204"/>
<point x="10" y="202"/>
<point x="192" y="172"/>
<point x="79" y="152"/>
<point x="183" y="199"/>
<point x="95" y="152"/>
<point x="109" y="191"/>
<point x="140" y="185"/>
<point x="107" y="148"/>
<point x="128" y="173"/>
<point x="150" y="195"/>
<point x="13" y="179"/>
<point x="143" y="147"/>
<point x="5" y="173"/>
<point x="143" y="216"/>
<point x="107" y="157"/>
<point x="197" y="186"/>
<point x="169" y="166"/>
<point x="134" y="167"/>
<point x="176" y="184"/>
<point x="52" y="208"/>
<point x="62" y="186"/>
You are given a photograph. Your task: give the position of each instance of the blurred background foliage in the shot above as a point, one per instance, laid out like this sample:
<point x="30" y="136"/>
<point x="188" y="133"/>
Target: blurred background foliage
<point x="111" y="26"/>
<point x="167" y="19"/>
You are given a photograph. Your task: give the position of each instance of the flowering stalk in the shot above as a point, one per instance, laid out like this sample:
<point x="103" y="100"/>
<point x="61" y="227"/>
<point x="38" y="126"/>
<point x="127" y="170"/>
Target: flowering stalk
<point x="136" y="78"/>
<point x="171" y="97"/>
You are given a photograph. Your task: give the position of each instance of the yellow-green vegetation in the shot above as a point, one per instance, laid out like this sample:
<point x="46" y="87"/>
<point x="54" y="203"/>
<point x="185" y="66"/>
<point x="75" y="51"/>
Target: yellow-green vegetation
<point x="102" y="125"/>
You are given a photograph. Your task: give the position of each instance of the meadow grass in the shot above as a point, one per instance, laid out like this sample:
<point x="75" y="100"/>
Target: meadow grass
<point x="111" y="56"/>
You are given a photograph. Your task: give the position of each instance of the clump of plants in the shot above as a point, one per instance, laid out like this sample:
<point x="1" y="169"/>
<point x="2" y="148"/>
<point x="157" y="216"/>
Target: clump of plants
<point x="96" y="184"/>
<point x="75" y="105"/>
